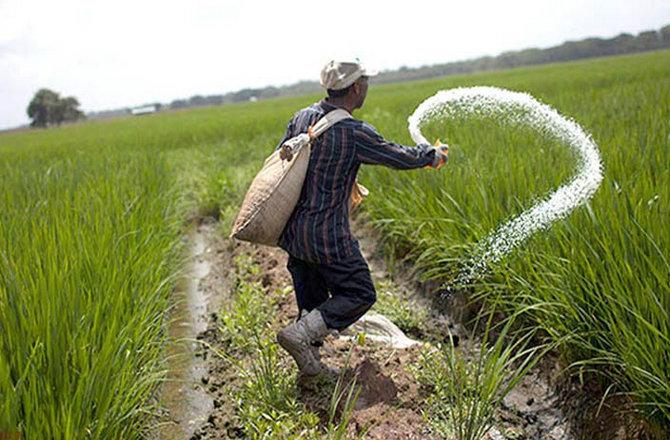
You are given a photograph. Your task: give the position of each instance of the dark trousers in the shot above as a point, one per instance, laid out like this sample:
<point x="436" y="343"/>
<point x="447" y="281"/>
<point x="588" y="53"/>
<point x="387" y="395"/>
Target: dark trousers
<point x="342" y="291"/>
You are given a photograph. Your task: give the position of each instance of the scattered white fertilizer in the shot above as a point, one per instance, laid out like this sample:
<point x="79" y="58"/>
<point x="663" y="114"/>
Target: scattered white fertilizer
<point x="516" y="109"/>
<point x="379" y="328"/>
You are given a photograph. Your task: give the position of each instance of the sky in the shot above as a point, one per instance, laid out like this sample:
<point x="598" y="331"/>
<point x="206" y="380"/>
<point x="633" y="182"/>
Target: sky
<point x="113" y="54"/>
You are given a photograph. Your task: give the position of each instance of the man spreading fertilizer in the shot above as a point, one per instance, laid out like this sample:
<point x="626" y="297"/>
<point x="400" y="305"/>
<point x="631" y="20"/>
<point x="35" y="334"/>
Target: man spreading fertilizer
<point x="332" y="281"/>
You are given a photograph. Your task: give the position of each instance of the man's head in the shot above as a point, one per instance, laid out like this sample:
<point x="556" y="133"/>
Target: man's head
<point x="347" y="81"/>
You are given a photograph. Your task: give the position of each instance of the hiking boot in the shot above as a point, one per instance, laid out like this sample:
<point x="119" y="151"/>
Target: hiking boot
<point x="297" y="339"/>
<point x="315" y="348"/>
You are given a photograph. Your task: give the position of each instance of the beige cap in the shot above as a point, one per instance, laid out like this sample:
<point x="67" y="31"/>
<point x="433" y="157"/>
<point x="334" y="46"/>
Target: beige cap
<point x="337" y="75"/>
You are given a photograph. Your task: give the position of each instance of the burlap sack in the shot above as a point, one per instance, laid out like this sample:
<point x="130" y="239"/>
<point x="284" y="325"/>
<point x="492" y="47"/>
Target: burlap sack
<point x="275" y="190"/>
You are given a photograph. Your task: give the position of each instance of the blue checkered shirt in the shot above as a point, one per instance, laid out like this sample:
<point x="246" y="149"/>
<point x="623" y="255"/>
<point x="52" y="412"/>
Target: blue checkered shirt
<point x="318" y="229"/>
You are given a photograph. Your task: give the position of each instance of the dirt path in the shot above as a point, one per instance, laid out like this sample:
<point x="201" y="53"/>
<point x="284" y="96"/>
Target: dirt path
<point x="391" y="400"/>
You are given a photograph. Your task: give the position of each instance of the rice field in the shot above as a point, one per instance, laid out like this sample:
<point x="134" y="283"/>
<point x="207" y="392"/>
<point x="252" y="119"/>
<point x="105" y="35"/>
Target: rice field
<point x="93" y="217"/>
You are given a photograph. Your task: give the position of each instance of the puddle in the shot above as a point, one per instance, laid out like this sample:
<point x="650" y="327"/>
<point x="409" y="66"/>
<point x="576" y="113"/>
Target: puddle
<point x="183" y="395"/>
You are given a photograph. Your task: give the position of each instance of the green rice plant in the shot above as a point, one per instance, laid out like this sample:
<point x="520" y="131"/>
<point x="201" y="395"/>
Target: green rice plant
<point x="469" y="387"/>
<point x="620" y="326"/>
<point x="90" y="249"/>
<point x="85" y="277"/>
<point x="250" y="313"/>
<point x="92" y="216"/>
<point x="267" y="401"/>
<point x="602" y="274"/>
<point x="343" y="400"/>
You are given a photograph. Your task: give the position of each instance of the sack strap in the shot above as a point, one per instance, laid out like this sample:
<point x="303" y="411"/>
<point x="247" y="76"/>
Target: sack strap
<point x="330" y="119"/>
<point x="293" y="145"/>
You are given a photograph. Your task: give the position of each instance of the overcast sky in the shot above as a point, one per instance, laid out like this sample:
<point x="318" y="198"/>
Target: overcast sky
<point x="119" y="53"/>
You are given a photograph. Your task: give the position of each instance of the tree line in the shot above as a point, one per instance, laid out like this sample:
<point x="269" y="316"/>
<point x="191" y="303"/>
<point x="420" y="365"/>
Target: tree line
<point x="570" y="50"/>
<point x="624" y="43"/>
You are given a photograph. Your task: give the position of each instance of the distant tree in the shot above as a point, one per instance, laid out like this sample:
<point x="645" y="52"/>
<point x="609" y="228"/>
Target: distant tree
<point x="624" y="43"/>
<point x="42" y="106"/>
<point x="48" y="108"/>
<point x="269" y="92"/>
<point x="179" y="103"/>
<point x="244" y="95"/>
<point x="665" y="33"/>
<point x="68" y="110"/>
<point x="197" y="100"/>
<point x="649" y="40"/>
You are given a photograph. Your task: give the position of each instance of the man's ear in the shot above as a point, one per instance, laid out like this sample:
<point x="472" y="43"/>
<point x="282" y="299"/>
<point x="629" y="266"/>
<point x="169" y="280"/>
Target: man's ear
<point x="357" y="87"/>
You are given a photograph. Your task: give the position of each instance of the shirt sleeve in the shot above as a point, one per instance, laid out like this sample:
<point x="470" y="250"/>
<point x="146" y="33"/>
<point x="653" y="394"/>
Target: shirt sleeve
<point x="373" y="149"/>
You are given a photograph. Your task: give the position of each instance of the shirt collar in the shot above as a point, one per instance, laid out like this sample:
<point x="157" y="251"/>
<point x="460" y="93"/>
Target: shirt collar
<point x="327" y="106"/>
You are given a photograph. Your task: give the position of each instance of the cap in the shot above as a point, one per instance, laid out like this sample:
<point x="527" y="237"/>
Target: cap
<point x="337" y="75"/>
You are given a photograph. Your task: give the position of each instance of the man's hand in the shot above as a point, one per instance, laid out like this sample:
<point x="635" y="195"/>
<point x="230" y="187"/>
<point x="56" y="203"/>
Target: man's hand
<point x="441" y="155"/>
<point x="285" y="153"/>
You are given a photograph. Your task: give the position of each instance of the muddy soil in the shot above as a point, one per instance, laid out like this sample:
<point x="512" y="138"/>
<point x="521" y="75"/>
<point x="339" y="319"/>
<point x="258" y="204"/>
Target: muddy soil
<point x="389" y="402"/>
<point x="543" y="406"/>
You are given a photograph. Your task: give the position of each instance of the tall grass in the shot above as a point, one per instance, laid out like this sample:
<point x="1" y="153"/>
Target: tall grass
<point x="88" y="251"/>
<point x="605" y="268"/>
<point x="468" y="387"/>
<point x="90" y="247"/>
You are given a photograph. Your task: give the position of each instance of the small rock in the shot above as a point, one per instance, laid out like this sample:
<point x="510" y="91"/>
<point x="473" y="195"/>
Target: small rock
<point x="531" y="418"/>
<point x="454" y="339"/>
<point x="235" y="432"/>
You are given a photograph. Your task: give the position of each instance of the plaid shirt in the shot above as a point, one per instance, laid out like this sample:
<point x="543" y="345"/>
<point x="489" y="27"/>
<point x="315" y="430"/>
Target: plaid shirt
<point x="318" y="229"/>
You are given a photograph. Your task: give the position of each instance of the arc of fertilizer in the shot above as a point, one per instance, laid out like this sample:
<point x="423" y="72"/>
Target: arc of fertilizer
<point x="517" y="109"/>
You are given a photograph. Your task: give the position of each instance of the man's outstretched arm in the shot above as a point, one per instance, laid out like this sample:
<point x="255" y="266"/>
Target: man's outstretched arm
<point x="373" y="149"/>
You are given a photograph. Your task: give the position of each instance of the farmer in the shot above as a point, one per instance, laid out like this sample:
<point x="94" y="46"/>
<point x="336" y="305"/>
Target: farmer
<point x="332" y="282"/>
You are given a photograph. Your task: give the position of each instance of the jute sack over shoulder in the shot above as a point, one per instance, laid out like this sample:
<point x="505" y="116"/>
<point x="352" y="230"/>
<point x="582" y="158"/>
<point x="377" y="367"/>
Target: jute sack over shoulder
<point x="275" y="190"/>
